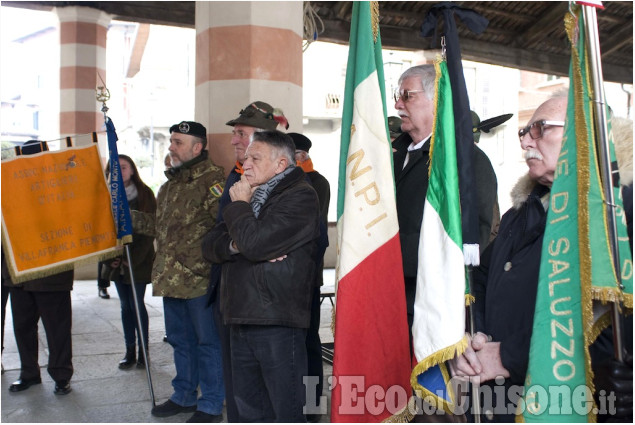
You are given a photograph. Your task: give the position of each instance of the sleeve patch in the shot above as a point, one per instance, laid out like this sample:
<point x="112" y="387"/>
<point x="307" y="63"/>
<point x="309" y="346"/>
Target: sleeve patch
<point x="216" y="190"/>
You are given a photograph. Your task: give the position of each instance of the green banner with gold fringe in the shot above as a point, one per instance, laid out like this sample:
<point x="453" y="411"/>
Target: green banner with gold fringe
<point x="576" y="265"/>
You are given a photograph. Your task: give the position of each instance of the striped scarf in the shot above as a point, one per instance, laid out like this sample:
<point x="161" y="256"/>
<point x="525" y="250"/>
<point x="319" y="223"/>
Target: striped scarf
<point x="261" y="194"/>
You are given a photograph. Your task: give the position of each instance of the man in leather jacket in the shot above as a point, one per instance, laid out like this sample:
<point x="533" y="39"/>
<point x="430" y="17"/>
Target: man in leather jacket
<point x="267" y="244"/>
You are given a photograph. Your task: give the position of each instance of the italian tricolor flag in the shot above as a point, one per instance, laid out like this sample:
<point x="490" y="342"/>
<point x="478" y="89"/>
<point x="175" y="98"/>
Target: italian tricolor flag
<point x="438" y="328"/>
<point x="371" y="364"/>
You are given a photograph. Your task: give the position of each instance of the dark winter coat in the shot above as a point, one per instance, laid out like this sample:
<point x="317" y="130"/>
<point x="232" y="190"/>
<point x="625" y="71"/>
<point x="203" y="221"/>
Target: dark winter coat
<point x="254" y="290"/>
<point x="505" y="284"/>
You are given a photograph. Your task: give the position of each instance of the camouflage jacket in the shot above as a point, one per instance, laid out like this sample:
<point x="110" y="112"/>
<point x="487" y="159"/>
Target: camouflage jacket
<point x="187" y="205"/>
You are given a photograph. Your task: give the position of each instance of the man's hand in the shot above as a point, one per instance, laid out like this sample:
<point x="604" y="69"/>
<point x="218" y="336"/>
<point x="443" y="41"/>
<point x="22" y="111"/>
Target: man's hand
<point x="489" y="355"/>
<point x="273" y="260"/>
<point x="241" y="190"/>
<point x="468" y="364"/>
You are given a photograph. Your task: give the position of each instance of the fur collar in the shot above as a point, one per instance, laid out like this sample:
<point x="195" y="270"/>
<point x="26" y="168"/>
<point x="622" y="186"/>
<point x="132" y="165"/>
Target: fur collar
<point x="521" y="191"/>
<point x="623" y="139"/>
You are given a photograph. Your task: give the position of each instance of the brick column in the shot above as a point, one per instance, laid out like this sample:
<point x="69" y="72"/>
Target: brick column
<point x="246" y="51"/>
<point x="83" y="55"/>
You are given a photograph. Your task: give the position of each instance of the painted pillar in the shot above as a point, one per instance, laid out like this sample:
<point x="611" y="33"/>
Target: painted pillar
<point x="246" y="51"/>
<point x="82" y="60"/>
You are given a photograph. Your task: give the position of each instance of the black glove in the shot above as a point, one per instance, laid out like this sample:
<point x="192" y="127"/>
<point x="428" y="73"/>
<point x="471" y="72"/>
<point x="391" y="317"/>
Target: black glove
<point x="614" y="389"/>
<point x="621" y="379"/>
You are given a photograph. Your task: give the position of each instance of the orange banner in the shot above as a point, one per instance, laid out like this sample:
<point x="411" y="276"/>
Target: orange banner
<point x="55" y="212"/>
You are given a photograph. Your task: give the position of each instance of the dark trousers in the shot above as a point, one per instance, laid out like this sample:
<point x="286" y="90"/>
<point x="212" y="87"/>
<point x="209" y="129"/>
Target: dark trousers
<point x="101" y="283"/>
<point x="54" y="308"/>
<point x="223" y="333"/>
<point x="314" y="346"/>
<point x="5" y="298"/>
<point x="129" y="315"/>
<point x="268" y="366"/>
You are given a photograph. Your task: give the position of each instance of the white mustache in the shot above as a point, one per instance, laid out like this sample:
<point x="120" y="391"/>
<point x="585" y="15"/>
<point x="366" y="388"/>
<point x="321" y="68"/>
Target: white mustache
<point x="532" y="154"/>
<point x="402" y="114"/>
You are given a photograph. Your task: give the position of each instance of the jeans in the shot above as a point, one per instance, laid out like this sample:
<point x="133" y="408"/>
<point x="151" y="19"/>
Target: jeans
<point x="268" y="366"/>
<point x="128" y="314"/>
<point x="189" y="324"/>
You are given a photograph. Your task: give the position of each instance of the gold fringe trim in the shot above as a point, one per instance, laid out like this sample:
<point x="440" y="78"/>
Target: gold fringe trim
<point x="439" y="357"/>
<point x="333" y="321"/>
<point x="93" y="259"/>
<point x="405" y="415"/>
<point x="613" y="295"/>
<point x="602" y="323"/>
<point x="374" y="19"/>
<point x="469" y="299"/>
<point x="583" y="157"/>
<point x="437" y="78"/>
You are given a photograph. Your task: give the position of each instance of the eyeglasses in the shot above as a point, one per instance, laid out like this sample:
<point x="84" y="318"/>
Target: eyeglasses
<point x="404" y="95"/>
<point x="536" y="129"/>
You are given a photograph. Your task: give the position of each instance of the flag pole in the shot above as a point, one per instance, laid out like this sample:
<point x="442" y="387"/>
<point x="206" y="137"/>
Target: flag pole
<point x="602" y="144"/>
<point x="139" y="327"/>
<point x="103" y="95"/>
<point x="476" y="399"/>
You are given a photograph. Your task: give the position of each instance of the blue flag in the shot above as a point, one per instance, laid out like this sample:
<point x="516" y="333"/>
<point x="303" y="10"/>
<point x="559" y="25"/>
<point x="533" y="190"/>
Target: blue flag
<point x="120" y="209"/>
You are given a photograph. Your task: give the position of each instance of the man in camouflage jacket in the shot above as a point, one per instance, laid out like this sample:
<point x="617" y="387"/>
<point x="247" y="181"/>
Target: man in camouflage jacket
<point x="187" y="205"/>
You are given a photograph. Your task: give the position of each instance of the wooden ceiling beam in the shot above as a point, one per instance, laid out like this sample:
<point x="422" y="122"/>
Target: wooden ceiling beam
<point x="492" y="53"/>
<point x="617" y="40"/>
<point x="485" y="8"/>
<point x="342" y="9"/>
<point x="538" y="30"/>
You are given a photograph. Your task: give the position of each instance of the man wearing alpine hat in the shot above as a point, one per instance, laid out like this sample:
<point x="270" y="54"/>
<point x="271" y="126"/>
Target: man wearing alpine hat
<point x="257" y="116"/>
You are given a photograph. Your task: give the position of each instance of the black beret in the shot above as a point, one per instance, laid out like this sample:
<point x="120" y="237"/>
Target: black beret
<point x="190" y="127"/>
<point x="301" y="141"/>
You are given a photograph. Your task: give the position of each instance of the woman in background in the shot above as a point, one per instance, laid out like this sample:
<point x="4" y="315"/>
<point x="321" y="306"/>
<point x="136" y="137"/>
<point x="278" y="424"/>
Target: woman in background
<point x="141" y="198"/>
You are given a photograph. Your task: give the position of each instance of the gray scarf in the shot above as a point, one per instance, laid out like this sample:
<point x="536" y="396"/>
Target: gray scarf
<point x="261" y="194"/>
<point x="131" y="192"/>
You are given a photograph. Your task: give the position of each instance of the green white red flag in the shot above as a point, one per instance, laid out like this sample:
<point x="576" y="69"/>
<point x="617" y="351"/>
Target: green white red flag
<point x="371" y="364"/>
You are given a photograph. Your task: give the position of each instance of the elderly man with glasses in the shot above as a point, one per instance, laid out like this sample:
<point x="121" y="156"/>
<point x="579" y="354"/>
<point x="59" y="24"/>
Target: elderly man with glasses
<point x="506" y="281"/>
<point x="414" y="102"/>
